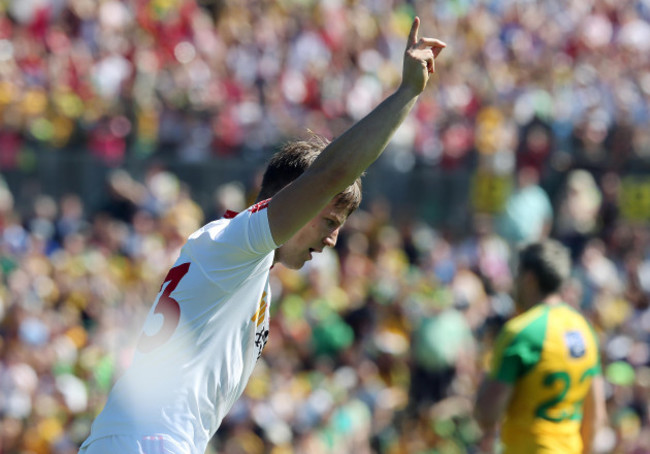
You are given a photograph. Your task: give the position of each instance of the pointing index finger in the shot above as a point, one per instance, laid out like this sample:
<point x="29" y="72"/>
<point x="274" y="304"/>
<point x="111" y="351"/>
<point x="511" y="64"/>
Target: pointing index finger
<point x="413" y="35"/>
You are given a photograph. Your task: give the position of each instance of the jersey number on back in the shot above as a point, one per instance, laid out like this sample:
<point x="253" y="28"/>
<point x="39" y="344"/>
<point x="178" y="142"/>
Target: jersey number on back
<point x="544" y="409"/>
<point x="167" y="307"/>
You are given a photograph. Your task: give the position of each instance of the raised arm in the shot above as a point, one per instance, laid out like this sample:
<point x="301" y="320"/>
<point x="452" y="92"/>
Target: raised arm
<point x="341" y="163"/>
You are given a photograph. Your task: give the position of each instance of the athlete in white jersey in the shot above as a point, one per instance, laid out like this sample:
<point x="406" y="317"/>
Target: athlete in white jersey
<point x="210" y="322"/>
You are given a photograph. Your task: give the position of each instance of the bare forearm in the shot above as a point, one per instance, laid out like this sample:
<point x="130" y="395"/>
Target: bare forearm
<point x="345" y="159"/>
<point x="349" y="155"/>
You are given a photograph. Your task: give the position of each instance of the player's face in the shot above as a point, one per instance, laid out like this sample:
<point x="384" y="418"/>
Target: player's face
<point x="322" y="231"/>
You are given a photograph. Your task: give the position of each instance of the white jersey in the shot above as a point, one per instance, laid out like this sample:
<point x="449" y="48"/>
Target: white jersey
<point x="201" y="339"/>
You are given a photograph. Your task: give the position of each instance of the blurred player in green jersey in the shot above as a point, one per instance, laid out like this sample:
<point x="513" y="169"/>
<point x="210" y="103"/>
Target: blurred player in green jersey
<point x="544" y="388"/>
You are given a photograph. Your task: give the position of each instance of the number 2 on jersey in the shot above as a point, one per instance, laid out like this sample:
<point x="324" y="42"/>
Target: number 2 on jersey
<point x="168" y="307"/>
<point x="542" y="410"/>
<point x="549" y="380"/>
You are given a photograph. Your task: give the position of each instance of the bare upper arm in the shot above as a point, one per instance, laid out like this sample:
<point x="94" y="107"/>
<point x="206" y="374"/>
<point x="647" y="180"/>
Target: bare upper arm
<point x="594" y="409"/>
<point x="491" y="402"/>
<point x="296" y="204"/>
<point x="594" y="413"/>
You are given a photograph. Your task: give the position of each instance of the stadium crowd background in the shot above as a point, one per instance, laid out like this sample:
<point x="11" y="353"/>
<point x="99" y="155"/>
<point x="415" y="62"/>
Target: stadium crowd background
<point x="377" y="346"/>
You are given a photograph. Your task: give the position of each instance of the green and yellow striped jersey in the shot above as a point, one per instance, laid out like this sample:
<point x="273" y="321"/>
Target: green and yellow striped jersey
<point x="550" y="355"/>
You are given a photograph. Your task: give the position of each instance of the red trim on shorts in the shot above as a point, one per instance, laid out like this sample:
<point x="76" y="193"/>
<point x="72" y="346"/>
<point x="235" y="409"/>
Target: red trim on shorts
<point x="229" y="214"/>
<point x="259" y="206"/>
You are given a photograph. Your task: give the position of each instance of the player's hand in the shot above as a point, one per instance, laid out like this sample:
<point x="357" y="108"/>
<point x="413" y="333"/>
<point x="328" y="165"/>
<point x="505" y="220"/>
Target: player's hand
<point x="419" y="59"/>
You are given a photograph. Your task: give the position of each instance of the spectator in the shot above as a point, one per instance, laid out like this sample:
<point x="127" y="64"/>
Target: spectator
<point x="528" y="215"/>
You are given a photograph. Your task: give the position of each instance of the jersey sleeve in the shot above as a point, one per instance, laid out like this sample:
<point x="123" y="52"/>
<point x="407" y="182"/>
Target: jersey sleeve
<point x="229" y="251"/>
<point x="250" y="231"/>
<point x="517" y="351"/>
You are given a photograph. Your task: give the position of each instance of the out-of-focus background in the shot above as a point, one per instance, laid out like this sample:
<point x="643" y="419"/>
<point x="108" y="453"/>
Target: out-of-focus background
<point x="125" y="125"/>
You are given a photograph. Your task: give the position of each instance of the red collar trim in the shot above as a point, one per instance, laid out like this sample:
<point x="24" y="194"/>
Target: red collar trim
<point x="229" y="214"/>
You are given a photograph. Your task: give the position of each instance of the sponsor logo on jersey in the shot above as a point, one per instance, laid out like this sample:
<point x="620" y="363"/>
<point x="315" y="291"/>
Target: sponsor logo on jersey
<point x="260" y="314"/>
<point x="575" y="344"/>
<point x="262" y="333"/>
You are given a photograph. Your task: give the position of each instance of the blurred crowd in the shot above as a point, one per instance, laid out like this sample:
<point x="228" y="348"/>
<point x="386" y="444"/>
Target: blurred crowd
<point x="198" y="79"/>
<point x="378" y="345"/>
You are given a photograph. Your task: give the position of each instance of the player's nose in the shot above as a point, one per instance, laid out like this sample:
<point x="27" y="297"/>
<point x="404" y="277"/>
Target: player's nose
<point x="330" y="240"/>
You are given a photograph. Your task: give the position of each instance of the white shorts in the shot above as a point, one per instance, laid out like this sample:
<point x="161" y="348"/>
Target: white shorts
<point x="126" y="444"/>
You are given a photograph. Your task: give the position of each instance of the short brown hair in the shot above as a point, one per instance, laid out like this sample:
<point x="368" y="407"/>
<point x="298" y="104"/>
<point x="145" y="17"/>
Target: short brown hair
<point x="292" y="160"/>
<point x="549" y="261"/>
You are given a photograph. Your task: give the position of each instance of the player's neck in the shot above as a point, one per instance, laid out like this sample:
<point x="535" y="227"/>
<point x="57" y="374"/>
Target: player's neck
<point x="549" y="300"/>
<point x="552" y="300"/>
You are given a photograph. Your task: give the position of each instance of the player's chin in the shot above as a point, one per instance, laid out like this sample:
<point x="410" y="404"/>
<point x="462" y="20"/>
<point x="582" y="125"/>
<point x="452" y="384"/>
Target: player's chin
<point x="294" y="264"/>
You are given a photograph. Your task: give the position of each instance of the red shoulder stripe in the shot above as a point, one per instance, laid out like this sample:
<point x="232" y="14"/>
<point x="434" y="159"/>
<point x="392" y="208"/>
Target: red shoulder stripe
<point x="259" y="206"/>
